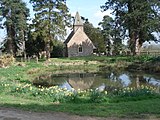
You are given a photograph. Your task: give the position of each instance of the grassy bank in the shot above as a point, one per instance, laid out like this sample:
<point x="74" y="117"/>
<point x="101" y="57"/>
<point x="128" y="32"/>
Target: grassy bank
<point x="18" y="91"/>
<point x="129" y="109"/>
<point x="26" y="71"/>
<point x="144" y="63"/>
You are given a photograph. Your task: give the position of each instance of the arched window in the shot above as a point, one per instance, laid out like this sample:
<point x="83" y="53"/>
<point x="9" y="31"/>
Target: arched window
<point x="80" y="49"/>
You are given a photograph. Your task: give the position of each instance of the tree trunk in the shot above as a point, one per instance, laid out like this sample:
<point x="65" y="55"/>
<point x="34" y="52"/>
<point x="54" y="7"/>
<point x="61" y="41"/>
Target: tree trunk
<point x="47" y="49"/>
<point x="132" y="42"/>
<point x="10" y="41"/>
<point x="137" y="47"/>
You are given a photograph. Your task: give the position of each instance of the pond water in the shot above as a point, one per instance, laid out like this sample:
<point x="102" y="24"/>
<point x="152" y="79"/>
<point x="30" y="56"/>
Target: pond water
<point x="106" y="80"/>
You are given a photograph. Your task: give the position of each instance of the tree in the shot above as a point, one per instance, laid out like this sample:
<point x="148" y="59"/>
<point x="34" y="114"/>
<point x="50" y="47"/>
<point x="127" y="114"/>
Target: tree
<point x="34" y="46"/>
<point x="51" y="18"/>
<point x="95" y="35"/>
<point x="14" y="13"/>
<point x="112" y="34"/>
<point x="139" y="19"/>
<point x="107" y="28"/>
<point x="117" y="37"/>
<point x="58" y="49"/>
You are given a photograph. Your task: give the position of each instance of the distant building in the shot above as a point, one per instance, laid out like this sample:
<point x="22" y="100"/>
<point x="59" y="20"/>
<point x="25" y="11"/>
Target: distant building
<point x="78" y="43"/>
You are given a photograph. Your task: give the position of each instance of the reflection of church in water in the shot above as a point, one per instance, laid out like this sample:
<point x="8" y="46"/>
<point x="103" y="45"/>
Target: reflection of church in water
<point x="85" y="81"/>
<point x="107" y="81"/>
<point x="81" y="81"/>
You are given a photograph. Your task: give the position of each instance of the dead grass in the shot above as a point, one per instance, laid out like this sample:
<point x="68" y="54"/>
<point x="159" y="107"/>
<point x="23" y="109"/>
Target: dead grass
<point x="6" y="60"/>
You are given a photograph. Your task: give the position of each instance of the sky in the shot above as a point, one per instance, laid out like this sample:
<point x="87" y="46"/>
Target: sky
<point x="87" y="8"/>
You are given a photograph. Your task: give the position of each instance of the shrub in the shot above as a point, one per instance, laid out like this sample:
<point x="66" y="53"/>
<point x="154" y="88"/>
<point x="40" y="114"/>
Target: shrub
<point x="98" y="97"/>
<point x="133" y="94"/>
<point x="6" y="60"/>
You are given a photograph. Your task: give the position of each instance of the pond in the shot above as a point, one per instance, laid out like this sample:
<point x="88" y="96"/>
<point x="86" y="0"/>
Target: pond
<point x="106" y="80"/>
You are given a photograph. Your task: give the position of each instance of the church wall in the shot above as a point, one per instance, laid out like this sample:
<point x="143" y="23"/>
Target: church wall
<point x="80" y="39"/>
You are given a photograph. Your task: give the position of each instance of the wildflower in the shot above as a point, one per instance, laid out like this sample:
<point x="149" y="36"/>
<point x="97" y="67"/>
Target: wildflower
<point x="56" y="87"/>
<point x="41" y="90"/>
<point x="105" y="92"/>
<point x="30" y="88"/>
<point x="52" y="91"/>
<point x="56" y="91"/>
<point x="17" y="88"/>
<point x="72" y="89"/>
<point x="128" y="88"/>
<point x="78" y="89"/>
<point x="65" y="88"/>
<point x="142" y="86"/>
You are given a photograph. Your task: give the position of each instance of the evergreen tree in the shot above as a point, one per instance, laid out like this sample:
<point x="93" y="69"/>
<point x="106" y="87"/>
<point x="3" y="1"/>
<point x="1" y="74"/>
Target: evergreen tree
<point x="107" y="29"/>
<point x="112" y="33"/>
<point x="139" y="19"/>
<point x="58" y="49"/>
<point x="34" y="46"/>
<point x="51" y="18"/>
<point x="95" y="35"/>
<point x="14" y="15"/>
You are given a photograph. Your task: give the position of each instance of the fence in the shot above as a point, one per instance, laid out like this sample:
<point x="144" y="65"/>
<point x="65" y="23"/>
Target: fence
<point x="153" y="53"/>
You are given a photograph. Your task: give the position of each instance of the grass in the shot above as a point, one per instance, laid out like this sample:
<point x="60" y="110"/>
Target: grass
<point x="32" y="69"/>
<point x="131" y="109"/>
<point x="92" y="63"/>
<point x="121" y="106"/>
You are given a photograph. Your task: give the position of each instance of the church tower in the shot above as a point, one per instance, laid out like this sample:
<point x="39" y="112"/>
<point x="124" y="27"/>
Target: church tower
<point x="78" y="24"/>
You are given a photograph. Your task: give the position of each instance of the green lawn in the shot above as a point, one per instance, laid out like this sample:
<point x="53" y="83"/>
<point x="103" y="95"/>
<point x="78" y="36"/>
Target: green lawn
<point x="131" y="109"/>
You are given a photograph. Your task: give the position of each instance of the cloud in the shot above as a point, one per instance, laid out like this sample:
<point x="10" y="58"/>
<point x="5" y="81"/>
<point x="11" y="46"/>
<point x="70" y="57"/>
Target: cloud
<point x="100" y="14"/>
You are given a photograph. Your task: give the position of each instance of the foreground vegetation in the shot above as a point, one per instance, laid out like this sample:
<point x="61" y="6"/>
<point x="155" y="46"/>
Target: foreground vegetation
<point x="17" y="89"/>
<point x="128" y="102"/>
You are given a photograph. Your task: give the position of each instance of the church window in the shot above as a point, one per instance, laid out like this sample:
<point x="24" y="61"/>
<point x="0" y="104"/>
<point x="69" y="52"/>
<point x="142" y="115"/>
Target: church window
<point x="80" y="49"/>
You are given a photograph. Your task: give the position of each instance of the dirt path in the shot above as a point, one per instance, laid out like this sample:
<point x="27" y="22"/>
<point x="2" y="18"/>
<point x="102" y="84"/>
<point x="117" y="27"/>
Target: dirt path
<point x="14" y="114"/>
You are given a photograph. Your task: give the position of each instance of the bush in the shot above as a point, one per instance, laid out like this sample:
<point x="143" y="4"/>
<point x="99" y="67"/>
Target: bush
<point x="98" y="97"/>
<point x="133" y="94"/>
<point x="6" y="60"/>
<point x="58" y="49"/>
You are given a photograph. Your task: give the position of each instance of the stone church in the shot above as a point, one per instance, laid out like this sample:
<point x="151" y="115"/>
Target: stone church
<point x="78" y="43"/>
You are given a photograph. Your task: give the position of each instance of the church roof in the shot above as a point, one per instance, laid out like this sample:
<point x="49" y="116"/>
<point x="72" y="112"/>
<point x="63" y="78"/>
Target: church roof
<point x="69" y="37"/>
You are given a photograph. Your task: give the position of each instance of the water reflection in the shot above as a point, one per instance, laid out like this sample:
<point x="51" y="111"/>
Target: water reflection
<point x="100" y="80"/>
